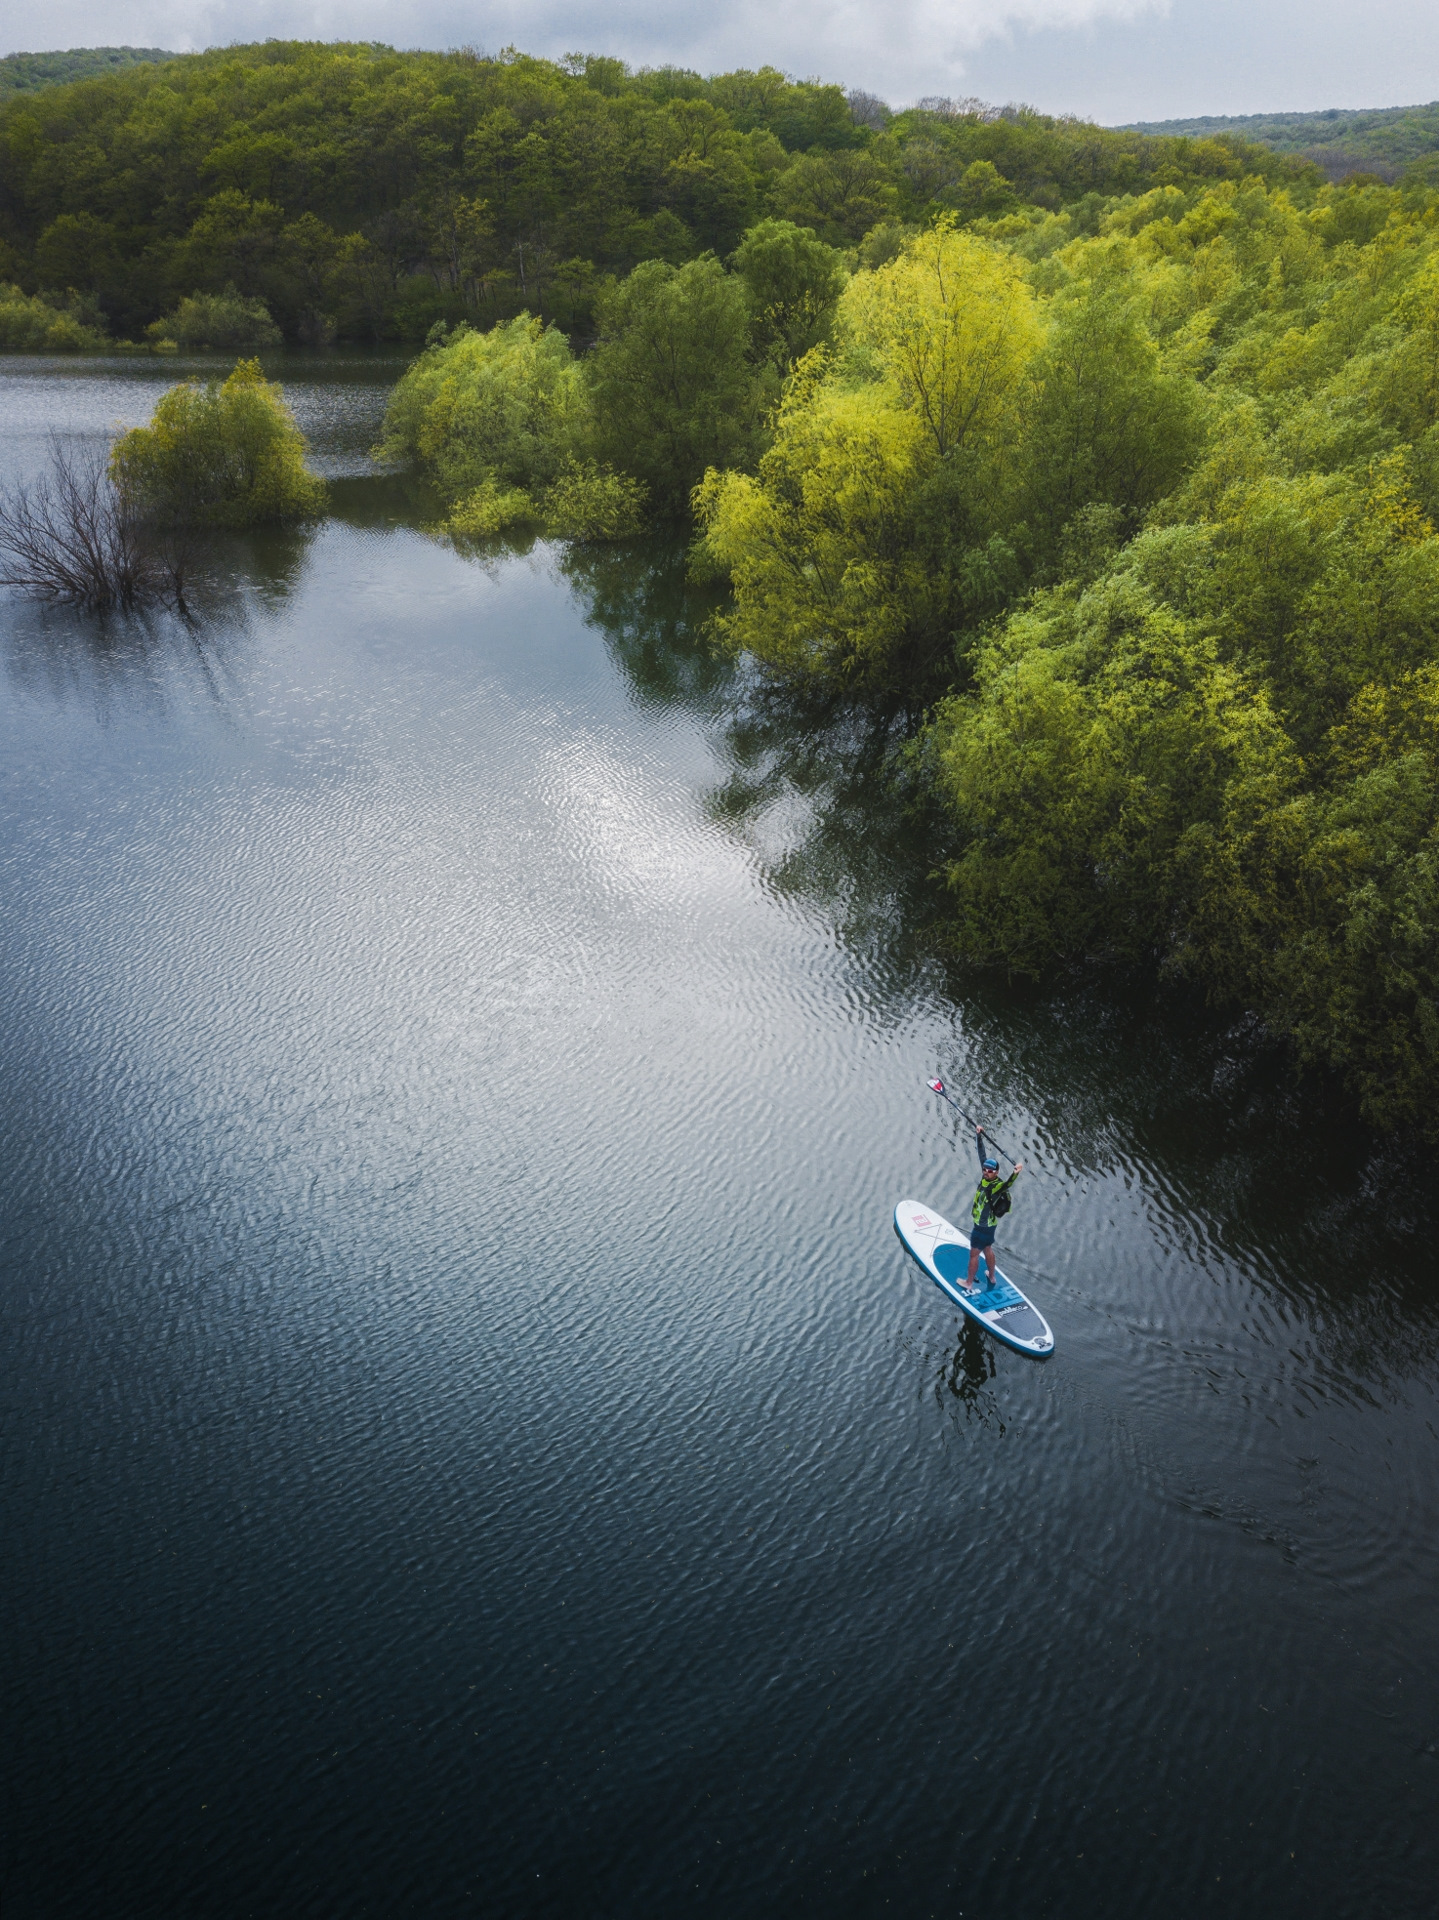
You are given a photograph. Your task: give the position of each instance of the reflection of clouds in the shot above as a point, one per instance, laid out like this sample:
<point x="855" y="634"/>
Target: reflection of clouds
<point x="631" y="837"/>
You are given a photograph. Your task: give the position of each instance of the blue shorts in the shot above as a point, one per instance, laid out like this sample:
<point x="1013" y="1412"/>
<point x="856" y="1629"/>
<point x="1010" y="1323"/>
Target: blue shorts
<point x="981" y="1237"/>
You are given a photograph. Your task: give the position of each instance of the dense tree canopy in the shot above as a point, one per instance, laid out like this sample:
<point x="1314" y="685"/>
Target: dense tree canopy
<point x="357" y="189"/>
<point x="1340" y="140"/>
<point x="26" y="72"/>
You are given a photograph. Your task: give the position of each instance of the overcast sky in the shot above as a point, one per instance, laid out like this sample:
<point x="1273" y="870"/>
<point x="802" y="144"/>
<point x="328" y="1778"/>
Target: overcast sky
<point x="1112" y="60"/>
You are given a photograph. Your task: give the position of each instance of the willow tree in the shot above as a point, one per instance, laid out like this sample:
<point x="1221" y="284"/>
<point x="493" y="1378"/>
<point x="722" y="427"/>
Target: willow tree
<point x="501" y="408"/>
<point x="872" y="532"/>
<point x="223" y="454"/>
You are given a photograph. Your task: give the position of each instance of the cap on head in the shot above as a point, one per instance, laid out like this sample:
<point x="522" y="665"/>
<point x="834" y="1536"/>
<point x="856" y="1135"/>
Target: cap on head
<point x="991" y="1166"/>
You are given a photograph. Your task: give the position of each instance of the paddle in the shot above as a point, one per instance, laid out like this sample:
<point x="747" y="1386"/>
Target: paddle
<point x="937" y="1086"/>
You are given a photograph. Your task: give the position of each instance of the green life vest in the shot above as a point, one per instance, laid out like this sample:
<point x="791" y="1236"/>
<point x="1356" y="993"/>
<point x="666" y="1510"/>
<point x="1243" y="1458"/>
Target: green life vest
<point x="991" y="1203"/>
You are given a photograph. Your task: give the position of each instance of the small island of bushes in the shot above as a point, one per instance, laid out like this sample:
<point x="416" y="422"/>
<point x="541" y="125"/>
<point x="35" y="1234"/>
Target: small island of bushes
<point x="116" y="534"/>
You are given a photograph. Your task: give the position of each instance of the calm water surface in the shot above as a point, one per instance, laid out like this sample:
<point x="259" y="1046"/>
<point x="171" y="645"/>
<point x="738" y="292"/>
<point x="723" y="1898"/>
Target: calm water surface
<point x="472" y="1441"/>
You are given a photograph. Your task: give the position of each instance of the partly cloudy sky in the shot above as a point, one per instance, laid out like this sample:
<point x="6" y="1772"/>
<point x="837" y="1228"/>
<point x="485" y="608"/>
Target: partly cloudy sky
<point x="1112" y="60"/>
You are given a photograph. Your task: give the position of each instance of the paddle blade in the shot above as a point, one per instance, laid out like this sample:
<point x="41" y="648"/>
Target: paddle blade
<point x="936" y="1086"/>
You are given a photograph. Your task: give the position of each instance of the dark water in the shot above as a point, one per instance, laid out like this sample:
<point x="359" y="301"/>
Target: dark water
<point x="472" y="1441"/>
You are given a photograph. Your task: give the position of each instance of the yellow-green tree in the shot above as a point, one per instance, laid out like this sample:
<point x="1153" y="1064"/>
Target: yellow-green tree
<point x="503" y="407"/>
<point x="950" y="327"/>
<point x="873" y="530"/>
<point x="224" y="453"/>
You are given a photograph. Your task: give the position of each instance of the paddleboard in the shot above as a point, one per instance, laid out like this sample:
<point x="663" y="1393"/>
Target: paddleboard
<point x="943" y="1252"/>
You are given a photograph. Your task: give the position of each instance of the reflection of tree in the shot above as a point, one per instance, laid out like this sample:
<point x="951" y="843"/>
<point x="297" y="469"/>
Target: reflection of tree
<point x="370" y="500"/>
<point x="823" y="794"/>
<point x="829" y="774"/>
<point x="125" y="662"/>
<point x="654" y="619"/>
<point x="268" y="562"/>
<point x="131" y="658"/>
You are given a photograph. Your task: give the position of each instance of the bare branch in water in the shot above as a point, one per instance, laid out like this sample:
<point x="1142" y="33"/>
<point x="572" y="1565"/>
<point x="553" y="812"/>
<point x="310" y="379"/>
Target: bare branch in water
<point x="71" y="537"/>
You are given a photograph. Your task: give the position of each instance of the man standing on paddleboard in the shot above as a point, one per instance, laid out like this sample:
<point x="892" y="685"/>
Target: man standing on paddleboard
<point x="991" y="1200"/>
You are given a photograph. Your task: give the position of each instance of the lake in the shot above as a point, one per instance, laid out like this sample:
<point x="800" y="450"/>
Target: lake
<point x="472" y="1440"/>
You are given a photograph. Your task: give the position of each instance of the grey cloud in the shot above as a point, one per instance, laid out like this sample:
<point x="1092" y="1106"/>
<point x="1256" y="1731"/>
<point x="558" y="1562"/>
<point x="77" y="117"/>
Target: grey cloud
<point x="1115" y="59"/>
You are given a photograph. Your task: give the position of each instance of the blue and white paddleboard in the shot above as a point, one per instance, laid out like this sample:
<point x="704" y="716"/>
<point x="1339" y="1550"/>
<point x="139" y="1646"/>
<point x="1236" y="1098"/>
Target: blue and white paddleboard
<point x="943" y="1252"/>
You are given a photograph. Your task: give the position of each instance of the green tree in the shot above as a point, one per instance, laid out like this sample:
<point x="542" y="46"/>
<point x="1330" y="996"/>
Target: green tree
<point x="672" y="389"/>
<point x="873" y="530"/>
<point x="1102" y="779"/>
<point x="224" y="454"/>
<point x="80" y="251"/>
<point x="576" y="162"/>
<point x="219" y="320"/>
<point x="504" y="408"/>
<point x="840" y="195"/>
<point x="1108" y="424"/>
<point x="794" y="281"/>
<point x="29" y="324"/>
<point x="232" y="242"/>
<point x="981" y="192"/>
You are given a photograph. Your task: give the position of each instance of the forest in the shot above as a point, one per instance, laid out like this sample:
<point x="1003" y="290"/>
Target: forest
<point x="1385" y="141"/>
<point x="24" y="72"/>
<point x="1099" y="469"/>
<point x="1146" y="518"/>
<point x="366" y="194"/>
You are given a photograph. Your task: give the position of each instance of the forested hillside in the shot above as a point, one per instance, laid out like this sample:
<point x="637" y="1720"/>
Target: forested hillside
<point x="24" y="72"/>
<point x="372" y="193"/>
<point x="1385" y="141"/>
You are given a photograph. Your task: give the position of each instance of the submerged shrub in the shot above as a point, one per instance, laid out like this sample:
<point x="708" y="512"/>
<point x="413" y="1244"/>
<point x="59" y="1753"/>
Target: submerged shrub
<point x="503" y="406"/>
<point x="490" y="509"/>
<point x="224" y="454"/>
<point x="587" y="501"/>
<point x="221" y="320"/>
<point x="29" y="324"/>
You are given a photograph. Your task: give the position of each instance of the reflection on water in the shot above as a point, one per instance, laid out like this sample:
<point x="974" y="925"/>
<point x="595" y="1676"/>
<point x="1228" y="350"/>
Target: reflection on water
<point x="654" y="619"/>
<point x="379" y="501"/>
<point x="143" y="661"/>
<point x="968" y="1379"/>
<point x="823" y="797"/>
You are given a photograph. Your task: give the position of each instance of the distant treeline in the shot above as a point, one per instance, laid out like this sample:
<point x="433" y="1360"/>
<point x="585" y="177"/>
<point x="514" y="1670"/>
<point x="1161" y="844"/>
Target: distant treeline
<point x="368" y="194"/>
<point x="1385" y="141"/>
<point x="24" y="72"/>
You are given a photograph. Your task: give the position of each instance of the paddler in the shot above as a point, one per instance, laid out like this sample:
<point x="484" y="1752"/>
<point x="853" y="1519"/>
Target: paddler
<point x="983" y="1214"/>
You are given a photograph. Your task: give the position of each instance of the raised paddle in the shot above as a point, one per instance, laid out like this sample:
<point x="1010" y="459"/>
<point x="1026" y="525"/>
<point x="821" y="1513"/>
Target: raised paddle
<point x="937" y="1086"/>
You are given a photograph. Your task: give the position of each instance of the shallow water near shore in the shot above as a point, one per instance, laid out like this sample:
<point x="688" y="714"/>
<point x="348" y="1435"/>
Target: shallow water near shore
<point x="472" y="1440"/>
